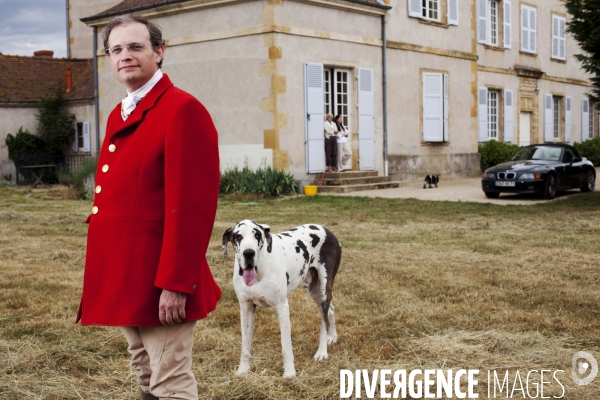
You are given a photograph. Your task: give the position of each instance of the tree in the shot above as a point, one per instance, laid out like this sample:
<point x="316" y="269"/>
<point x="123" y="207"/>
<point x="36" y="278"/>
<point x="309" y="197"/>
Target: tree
<point x="585" y="28"/>
<point x="55" y="121"/>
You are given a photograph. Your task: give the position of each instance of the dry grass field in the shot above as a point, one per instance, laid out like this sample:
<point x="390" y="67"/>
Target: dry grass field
<point x="429" y="285"/>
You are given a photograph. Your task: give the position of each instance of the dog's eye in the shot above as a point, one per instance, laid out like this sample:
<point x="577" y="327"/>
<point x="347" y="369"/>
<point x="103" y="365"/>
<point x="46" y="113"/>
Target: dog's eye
<point x="257" y="236"/>
<point x="239" y="238"/>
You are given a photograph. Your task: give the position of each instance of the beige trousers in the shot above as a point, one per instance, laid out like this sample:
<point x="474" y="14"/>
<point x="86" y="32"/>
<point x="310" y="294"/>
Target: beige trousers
<point x="344" y="157"/>
<point x="161" y="357"/>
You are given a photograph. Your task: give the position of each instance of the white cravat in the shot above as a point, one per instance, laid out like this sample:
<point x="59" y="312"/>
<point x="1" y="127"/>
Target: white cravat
<point x="131" y="101"/>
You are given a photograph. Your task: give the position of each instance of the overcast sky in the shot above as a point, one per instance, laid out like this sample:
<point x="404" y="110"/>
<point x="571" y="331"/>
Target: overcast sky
<point x="30" y="25"/>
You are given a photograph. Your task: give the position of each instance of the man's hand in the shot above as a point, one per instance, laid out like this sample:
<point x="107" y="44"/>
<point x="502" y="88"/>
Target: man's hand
<point x="171" y="307"/>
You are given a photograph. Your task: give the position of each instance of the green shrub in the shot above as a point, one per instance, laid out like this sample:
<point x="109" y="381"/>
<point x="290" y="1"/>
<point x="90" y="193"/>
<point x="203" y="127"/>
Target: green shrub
<point x="590" y="149"/>
<point x="84" y="177"/>
<point x="494" y="152"/>
<point x="263" y="181"/>
<point x="24" y="143"/>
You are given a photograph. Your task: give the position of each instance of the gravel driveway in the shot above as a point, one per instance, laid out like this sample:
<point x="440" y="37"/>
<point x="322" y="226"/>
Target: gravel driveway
<point x="457" y="190"/>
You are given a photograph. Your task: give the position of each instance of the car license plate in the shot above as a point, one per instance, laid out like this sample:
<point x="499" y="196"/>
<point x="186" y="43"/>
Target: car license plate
<point x="504" y="183"/>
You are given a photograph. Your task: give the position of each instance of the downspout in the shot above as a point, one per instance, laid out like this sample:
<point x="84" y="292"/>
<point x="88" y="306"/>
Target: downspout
<point x="384" y="69"/>
<point x="96" y="100"/>
<point x="68" y="31"/>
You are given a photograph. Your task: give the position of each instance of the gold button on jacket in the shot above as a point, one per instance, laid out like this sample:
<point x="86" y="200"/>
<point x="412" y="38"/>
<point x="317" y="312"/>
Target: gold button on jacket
<point x="98" y="189"/>
<point x="105" y="168"/>
<point x="112" y="148"/>
<point x="94" y="210"/>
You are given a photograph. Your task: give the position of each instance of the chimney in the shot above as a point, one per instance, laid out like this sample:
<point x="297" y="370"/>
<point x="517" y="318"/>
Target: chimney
<point x="69" y="81"/>
<point x="43" y="54"/>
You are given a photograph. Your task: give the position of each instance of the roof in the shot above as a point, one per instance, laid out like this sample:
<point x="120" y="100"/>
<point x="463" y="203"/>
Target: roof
<point x="27" y="79"/>
<point x="131" y="6"/>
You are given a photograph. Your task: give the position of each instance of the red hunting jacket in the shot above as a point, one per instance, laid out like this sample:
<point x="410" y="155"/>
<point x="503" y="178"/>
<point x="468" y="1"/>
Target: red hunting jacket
<point x="157" y="185"/>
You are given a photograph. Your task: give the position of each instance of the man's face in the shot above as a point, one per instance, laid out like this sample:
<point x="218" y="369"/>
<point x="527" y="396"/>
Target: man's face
<point x="133" y="69"/>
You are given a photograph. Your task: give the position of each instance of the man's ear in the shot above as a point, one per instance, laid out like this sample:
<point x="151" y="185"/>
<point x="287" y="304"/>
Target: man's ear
<point x="226" y="239"/>
<point x="267" y="230"/>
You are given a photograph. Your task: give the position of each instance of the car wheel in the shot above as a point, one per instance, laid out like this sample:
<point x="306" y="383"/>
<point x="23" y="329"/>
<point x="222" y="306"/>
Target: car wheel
<point x="492" y="195"/>
<point x="589" y="183"/>
<point x="550" y="187"/>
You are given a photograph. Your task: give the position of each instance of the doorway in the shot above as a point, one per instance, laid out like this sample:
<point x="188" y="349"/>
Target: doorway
<point x="525" y="129"/>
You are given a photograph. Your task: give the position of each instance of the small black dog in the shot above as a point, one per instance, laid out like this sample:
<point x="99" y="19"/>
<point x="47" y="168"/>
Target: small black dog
<point x="431" y="180"/>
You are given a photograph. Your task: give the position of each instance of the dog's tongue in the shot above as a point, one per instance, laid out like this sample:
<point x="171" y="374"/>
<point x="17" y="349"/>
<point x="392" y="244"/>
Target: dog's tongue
<point x="249" y="276"/>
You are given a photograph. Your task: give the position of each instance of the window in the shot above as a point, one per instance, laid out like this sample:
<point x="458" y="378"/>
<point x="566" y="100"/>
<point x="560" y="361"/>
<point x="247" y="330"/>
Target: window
<point x="337" y="93"/>
<point x="558" y="37"/>
<point x="493" y="13"/>
<point x="492" y="114"/>
<point x="435" y="107"/>
<point x="431" y="10"/>
<point x="81" y="141"/>
<point x="528" y="29"/>
<point x="556" y="101"/>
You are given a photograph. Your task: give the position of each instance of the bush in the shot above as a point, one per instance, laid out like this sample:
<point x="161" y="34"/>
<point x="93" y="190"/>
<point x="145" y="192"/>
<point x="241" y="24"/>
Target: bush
<point x="263" y="181"/>
<point x="84" y="177"/>
<point x="590" y="149"/>
<point x="24" y="143"/>
<point x="494" y="152"/>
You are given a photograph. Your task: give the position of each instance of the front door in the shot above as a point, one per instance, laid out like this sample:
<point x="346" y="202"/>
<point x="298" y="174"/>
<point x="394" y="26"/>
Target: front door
<point x="525" y="129"/>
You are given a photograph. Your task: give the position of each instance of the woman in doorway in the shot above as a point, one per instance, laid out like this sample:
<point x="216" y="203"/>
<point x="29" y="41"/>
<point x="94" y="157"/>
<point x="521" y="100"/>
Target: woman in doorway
<point x="331" y="131"/>
<point x="344" y="151"/>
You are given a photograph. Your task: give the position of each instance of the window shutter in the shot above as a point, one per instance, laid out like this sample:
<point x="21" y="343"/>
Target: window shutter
<point x="548" y="118"/>
<point x="508" y="116"/>
<point x="507" y="24"/>
<point x="366" y="120"/>
<point x="433" y="107"/>
<point x="585" y="119"/>
<point x="555" y="37"/>
<point x="482" y="21"/>
<point x="482" y="111"/>
<point x="452" y="12"/>
<point x="445" y="104"/>
<point x="568" y="120"/>
<point x="524" y="29"/>
<point x="75" y="139"/>
<point x="86" y="136"/>
<point x="532" y="30"/>
<point x="414" y="8"/>
<point x="563" y="39"/>
<point x="315" y="117"/>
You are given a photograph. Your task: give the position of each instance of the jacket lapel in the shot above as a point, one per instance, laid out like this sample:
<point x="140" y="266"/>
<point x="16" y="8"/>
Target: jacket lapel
<point x="148" y="102"/>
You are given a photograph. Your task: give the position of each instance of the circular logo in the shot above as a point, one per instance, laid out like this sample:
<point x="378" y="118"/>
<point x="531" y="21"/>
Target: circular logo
<point x="580" y="367"/>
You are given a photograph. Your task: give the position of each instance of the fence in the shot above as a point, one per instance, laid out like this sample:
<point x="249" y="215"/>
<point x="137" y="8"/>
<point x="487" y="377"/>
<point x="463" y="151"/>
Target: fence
<point x="64" y="163"/>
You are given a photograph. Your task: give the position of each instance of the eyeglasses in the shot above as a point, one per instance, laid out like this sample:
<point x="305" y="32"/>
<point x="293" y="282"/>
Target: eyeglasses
<point x="133" y="48"/>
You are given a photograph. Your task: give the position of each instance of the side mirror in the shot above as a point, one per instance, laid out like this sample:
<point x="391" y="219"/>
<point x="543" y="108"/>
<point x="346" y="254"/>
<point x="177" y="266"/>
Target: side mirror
<point x="575" y="159"/>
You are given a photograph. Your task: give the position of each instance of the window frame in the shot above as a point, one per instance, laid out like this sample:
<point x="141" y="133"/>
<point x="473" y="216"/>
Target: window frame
<point x="425" y="9"/>
<point x="493" y="30"/>
<point x="493" y="133"/>
<point x="556" y="116"/>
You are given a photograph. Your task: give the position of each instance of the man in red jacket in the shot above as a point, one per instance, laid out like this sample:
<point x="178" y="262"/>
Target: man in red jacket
<point x="156" y="198"/>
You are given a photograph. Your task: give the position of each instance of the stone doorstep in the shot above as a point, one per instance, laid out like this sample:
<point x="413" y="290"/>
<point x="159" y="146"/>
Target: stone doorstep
<point x="356" y="188"/>
<point x="347" y="174"/>
<point x="356" y="181"/>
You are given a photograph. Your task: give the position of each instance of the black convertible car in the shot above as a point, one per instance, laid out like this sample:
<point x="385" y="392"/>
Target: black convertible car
<point x="542" y="168"/>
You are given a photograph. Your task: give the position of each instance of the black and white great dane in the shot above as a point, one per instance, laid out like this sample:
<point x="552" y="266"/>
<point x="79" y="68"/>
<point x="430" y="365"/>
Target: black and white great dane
<point x="269" y="267"/>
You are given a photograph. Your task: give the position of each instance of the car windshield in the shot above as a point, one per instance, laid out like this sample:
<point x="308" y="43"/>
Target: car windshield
<point x="538" y="153"/>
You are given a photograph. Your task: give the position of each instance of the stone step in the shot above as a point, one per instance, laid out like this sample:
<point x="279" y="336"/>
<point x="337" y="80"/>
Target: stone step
<point x="356" y="188"/>
<point x="346" y="180"/>
<point x="349" y="174"/>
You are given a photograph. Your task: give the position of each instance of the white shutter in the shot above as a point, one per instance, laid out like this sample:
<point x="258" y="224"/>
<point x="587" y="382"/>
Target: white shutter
<point x="315" y="117"/>
<point x="532" y="30"/>
<point x="414" y="8"/>
<point x="433" y="107"/>
<point x="563" y="38"/>
<point x="482" y="21"/>
<point x="524" y="28"/>
<point x="482" y="111"/>
<point x="366" y="120"/>
<point x="86" y="137"/>
<point x="555" y="37"/>
<point x="445" y="104"/>
<point x="548" y="118"/>
<point x="568" y="120"/>
<point x="507" y="24"/>
<point x="452" y="12"/>
<point x="508" y="116"/>
<point x="585" y="119"/>
<point x="75" y="140"/>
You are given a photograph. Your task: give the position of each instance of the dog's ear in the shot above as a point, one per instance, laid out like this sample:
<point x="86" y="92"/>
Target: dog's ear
<point x="267" y="230"/>
<point x="226" y="239"/>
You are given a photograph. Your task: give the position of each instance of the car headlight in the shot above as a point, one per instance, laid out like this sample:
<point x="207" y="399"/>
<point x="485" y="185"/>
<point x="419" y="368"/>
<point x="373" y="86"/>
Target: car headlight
<point x="530" y="176"/>
<point x="489" y="175"/>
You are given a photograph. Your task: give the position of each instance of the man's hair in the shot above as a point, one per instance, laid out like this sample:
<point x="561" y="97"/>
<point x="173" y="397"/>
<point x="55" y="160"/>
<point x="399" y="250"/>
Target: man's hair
<point x="153" y="29"/>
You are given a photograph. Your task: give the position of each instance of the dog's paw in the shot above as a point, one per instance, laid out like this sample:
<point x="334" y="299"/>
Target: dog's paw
<point x="320" y="355"/>
<point x="331" y="339"/>
<point x="289" y="374"/>
<point x="242" y="371"/>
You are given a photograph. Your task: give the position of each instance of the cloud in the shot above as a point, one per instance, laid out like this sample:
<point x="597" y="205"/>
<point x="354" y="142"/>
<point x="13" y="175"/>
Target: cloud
<point x="29" y="25"/>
